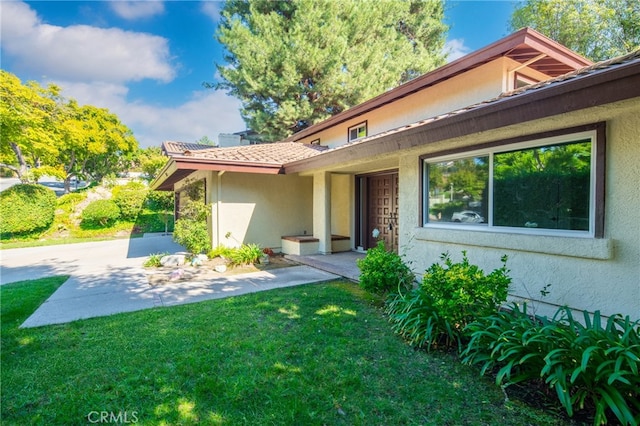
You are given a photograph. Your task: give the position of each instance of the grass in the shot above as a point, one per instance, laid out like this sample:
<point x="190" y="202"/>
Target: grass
<point x="309" y="355"/>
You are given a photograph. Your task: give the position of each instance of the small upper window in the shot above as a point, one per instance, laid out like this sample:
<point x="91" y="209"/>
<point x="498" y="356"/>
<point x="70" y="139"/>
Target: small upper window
<point x="521" y="80"/>
<point x="358" y="131"/>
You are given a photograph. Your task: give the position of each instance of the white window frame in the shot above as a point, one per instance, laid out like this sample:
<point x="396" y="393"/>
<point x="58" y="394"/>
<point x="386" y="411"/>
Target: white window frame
<point x="592" y="135"/>
<point x="357" y="128"/>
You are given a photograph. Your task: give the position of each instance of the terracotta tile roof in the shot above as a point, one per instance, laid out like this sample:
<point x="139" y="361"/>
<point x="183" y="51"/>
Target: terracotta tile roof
<point x="173" y="147"/>
<point x="278" y="153"/>
<point x="285" y="154"/>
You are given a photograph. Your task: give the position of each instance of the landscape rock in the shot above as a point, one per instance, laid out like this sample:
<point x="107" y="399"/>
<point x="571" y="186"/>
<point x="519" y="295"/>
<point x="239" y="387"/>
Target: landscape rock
<point x="177" y="259"/>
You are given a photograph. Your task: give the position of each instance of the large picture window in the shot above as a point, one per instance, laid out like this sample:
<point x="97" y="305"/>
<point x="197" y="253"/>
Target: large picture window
<point x="541" y="186"/>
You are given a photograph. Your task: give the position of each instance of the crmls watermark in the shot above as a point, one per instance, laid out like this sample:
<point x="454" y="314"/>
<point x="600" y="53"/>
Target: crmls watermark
<point x="121" y="417"/>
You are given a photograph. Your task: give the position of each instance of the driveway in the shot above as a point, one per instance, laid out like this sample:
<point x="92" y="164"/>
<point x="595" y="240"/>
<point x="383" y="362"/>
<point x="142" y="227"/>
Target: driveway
<point x="108" y="277"/>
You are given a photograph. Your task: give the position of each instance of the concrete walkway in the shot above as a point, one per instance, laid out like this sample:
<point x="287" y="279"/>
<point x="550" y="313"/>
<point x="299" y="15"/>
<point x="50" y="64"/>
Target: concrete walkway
<point x="108" y="278"/>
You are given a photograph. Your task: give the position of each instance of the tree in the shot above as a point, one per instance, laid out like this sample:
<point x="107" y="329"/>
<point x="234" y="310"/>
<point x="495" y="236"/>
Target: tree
<point x="205" y="141"/>
<point x="28" y="113"/>
<point x="151" y="160"/>
<point x="596" y="29"/>
<point x="94" y="143"/>
<point x="45" y="133"/>
<point x="295" y="63"/>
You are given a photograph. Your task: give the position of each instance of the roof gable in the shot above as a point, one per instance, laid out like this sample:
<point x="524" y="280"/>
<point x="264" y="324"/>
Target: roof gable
<point x="526" y="46"/>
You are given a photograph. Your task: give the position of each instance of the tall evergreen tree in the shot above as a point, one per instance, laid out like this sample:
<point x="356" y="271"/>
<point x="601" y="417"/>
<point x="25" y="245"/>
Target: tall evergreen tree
<point x="596" y="29"/>
<point x="295" y="63"/>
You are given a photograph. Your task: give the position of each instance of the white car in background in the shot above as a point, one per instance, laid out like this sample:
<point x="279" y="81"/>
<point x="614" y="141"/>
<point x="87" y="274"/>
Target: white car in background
<point x="467" y="216"/>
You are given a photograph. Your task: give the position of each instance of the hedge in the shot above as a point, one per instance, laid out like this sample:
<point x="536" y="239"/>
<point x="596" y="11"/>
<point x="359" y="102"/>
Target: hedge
<point x="100" y="213"/>
<point x="26" y="208"/>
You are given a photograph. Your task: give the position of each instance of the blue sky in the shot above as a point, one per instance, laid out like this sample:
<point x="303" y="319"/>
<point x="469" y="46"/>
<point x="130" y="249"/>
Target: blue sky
<point x="146" y="60"/>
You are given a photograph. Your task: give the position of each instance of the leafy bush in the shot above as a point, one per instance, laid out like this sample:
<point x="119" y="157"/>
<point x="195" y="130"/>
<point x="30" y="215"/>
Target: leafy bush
<point x="246" y="254"/>
<point x="191" y="229"/>
<point x="449" y="298"/>
<point x="219" y="251"/>
<point x="154" y="260"/>
<point x="26" y="208"/>
<point x="588" y="365"/>
<point x="193" y="235"/>
<point x="71" y="199"/>
<point x="130" y="199"/>
<point x="382" y="271"/>
<point x="100" y="213"/>
<point x="159" y="201"/>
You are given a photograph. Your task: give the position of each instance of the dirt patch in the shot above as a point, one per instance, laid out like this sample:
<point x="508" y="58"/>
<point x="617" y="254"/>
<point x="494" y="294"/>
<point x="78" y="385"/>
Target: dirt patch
<point x="210" y="270"/>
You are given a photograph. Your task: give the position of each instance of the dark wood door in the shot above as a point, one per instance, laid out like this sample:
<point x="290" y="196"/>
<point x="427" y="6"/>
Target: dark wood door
<point x="382" y="210"/>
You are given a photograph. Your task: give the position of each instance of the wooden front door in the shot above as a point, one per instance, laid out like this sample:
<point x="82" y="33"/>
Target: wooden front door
<point x="382" y="210"/>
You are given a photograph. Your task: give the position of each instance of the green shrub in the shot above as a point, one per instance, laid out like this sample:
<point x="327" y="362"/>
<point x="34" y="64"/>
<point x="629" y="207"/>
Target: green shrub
<point x="154" y="260"/>
<point x="130" y="199"/>
<point x="383" y="271"/>
<point x="160" y="201"/>
<point x="449" y="298"/>
<point x="246" y="254"/>
<point x="192" y="235"/>
<point x="191" y="230"/>
<point x="71" y="199"/>
<point x="100" y="213"/>
<point x="219" y="251"/>
<point x="26" y="208"/>
<point x="590" y="366"/>
<point x="513" y="332"/>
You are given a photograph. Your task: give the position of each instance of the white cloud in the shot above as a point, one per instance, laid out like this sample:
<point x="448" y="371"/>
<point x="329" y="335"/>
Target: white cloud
<point x="81" y="52"/>
<point x="137" y="9"/>
<point x="94" y="65"/>
<point x="206" y="113"/>
<point x="212" y="9"/>
<point x="455" y="49"/>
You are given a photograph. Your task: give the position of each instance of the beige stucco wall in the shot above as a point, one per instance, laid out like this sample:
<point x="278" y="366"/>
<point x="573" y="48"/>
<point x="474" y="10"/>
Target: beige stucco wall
<point x="255" y="208"/>
<point x="262" y="208"/>
<point x="484" y="82"/>
<point x="341" y="204"/>
<point x="583" y="273"/>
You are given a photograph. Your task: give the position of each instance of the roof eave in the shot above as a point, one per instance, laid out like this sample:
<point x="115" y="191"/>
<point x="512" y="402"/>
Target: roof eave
<point x="603" y="88"/>
<point x="178" y="168"/>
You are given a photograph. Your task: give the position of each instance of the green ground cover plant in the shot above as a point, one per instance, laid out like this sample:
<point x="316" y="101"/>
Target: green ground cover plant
<point x="313" y="355"/>
<point x="154" y="260"/>
<point x="591" y="365"/>
<point x="246" y="254"/>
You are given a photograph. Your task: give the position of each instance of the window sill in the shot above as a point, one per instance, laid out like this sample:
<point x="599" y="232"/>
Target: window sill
<point x="589" y="248"/>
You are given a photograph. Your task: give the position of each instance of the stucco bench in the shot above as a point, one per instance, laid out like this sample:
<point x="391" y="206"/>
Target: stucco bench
<point x="304" y="245"/>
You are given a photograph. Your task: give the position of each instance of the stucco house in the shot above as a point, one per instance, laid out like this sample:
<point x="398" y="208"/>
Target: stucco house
<point x="521" y="148"/>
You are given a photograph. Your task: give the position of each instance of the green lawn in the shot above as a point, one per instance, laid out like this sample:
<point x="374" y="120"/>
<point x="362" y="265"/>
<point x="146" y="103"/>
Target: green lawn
<point x="319" y="354"/>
